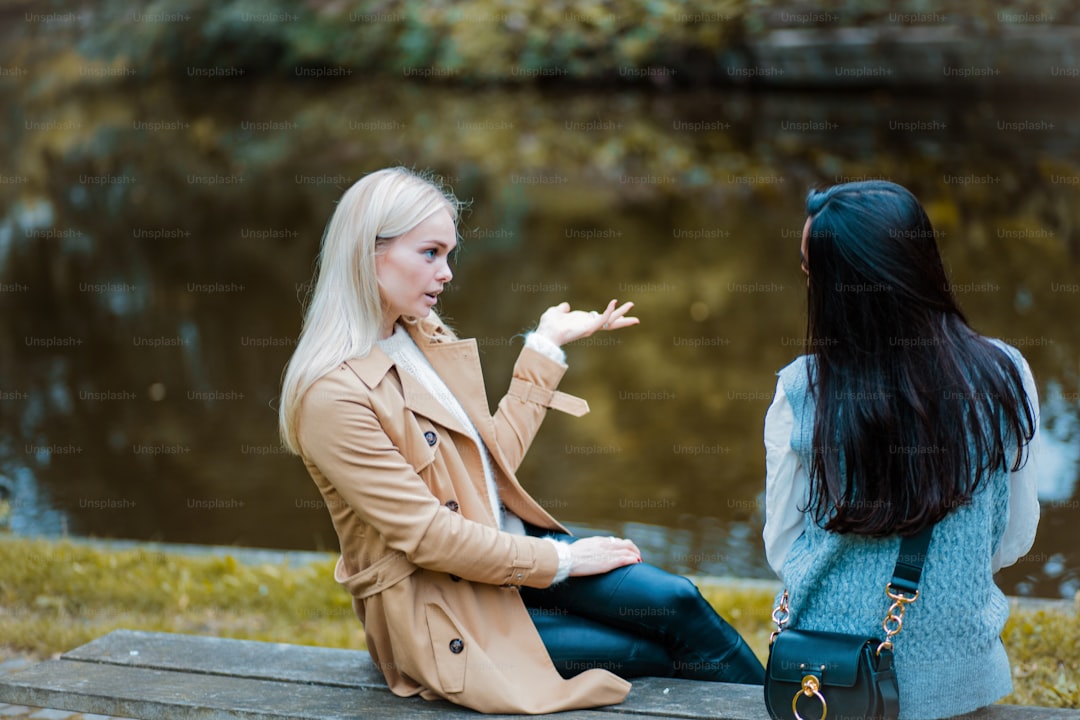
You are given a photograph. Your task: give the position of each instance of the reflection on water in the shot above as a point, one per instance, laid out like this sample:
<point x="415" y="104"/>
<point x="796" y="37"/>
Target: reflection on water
<point x="1060" y="445"/>
<point x="151" y="278"/>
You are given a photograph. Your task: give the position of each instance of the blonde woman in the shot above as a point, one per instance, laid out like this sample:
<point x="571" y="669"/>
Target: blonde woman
<point x="467" y="588"/>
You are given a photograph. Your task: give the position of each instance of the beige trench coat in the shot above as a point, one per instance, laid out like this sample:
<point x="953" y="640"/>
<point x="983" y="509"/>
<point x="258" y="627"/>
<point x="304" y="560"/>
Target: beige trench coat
<point x="432" y="579"/>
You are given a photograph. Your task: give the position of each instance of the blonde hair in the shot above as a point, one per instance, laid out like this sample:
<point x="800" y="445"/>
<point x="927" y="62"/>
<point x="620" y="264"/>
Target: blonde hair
<point x="344" y="313"/>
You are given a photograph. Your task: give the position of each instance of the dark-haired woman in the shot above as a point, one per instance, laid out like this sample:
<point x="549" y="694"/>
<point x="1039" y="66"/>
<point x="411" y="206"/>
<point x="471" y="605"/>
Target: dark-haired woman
<point x="898" y="417"/>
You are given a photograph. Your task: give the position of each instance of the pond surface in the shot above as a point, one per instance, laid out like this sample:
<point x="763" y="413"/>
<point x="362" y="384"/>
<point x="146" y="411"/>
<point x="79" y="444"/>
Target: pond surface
<point x="157" y="240"/>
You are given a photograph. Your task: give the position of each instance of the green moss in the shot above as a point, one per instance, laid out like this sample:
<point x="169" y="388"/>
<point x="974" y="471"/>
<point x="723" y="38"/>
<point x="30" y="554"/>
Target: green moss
<point x="1044" y="647"/>
<point x="55" y="596"/>
<point x="58" y="595"/>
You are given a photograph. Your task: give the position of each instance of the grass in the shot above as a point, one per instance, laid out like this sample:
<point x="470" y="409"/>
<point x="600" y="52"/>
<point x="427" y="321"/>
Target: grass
<point x="1044" y="647"/>
<point x="55" y="596"/>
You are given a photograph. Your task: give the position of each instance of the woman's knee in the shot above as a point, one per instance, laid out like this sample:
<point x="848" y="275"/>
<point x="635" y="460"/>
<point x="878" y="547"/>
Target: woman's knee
<point x="687" y="599"/>
<point x="661" y="594"/>
<point x="680" y="592"/>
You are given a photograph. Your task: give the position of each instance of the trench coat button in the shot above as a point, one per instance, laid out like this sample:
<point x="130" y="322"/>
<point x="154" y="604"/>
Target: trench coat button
<point x="456" y="646"/>
<point x="455" y="578"/>
<point x="453" y="505"/>
<point x="431" y="437"/>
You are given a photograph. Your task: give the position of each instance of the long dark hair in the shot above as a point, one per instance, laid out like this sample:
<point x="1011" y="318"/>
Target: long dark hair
<point x="913" y="408"/>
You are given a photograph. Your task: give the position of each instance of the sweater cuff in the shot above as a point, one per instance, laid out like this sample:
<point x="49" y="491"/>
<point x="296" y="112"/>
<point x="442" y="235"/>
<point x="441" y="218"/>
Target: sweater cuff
<point x="545" y="347"/>
<point x="566" y="561"/>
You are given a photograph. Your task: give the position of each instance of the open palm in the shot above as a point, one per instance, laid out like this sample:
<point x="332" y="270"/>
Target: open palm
<point x="562" y="325"/>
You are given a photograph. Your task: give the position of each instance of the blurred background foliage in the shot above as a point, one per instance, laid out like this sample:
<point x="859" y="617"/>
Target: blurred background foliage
<point x="486" y="40"/>
<point x="673" y="190"/>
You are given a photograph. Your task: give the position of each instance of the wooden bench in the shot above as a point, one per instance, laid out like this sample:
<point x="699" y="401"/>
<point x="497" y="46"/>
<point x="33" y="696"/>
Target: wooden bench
<point x="163" y="675"/>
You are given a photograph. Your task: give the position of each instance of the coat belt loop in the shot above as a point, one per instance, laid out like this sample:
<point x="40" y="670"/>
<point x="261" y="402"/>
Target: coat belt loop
<point x="563" y="402"/>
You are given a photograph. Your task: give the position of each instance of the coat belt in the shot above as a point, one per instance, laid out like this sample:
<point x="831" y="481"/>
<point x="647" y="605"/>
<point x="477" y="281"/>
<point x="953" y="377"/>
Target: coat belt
<point x="531" y="392"/>
<point x="385" y="572"/>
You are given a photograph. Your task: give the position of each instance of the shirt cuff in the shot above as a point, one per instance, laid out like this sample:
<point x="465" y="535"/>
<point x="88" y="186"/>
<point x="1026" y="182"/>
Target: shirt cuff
<point x="566" y="560"/>
<point x="545" y="347"/>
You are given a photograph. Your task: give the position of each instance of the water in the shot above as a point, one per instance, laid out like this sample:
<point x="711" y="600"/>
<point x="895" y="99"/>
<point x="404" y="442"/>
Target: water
<point x="156" y="240"/>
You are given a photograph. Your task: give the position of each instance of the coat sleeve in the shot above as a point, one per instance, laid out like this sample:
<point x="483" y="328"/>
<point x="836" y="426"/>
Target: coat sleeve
<point x="341" y="435"/>
<point x="532" y="391"/>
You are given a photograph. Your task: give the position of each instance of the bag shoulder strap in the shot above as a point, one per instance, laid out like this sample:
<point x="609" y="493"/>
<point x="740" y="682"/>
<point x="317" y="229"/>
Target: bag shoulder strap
<point x="902" y="588"/>
<point x="909" y="563"/>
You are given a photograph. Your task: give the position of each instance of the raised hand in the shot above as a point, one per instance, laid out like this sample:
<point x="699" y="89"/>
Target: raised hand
<point x="561" y="325"/>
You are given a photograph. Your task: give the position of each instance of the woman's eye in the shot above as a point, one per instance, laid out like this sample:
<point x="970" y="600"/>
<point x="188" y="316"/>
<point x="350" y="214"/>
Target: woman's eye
<point x="430" y="253"/>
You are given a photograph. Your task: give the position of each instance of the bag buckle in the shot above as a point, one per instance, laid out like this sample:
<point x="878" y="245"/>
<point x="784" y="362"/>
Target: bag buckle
<point x="780" y="615"/>
<point x="894" y="618"/>
<point x="811" y="687"/>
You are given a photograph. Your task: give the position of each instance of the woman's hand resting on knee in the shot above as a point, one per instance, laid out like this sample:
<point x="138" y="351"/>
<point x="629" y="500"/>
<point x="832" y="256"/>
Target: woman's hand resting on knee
<point x="597" y="555"/>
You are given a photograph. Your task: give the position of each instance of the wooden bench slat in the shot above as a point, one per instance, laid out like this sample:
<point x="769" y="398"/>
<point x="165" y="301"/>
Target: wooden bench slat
<point x="165" y="675"/>
<point x="354" y="669"/>
<point x="694" y="699"/>
<point x="152" y="694"/>
<point x="236" y="658"/>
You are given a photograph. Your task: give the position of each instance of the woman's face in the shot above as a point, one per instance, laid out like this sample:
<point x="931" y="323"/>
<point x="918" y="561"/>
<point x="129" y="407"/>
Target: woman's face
<point x="413" y="269"/>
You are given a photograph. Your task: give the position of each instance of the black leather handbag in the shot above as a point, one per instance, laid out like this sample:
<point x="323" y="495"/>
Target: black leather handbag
<point x="812" y="674"/>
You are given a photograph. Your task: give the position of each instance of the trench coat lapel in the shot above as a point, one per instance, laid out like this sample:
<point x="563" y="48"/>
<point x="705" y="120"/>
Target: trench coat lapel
<point x="458" y="364"/>
<point x="420" y="400"/>
<point x="372" y="368"/>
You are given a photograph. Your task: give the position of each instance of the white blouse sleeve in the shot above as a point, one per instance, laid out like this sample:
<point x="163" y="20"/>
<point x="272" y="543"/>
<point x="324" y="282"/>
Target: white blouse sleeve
<point x="1019" y="533"/>
<point x="546" y="347"/>
<point x="786" y="482"/>
<point x="566" y="560"/>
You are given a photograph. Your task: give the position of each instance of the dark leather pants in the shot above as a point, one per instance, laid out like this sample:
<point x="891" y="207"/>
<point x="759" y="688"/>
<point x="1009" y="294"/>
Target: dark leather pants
<point x="637" y="621"/>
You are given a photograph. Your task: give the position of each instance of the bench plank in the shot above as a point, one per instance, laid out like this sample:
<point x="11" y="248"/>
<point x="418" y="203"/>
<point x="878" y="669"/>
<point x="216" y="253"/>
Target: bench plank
<point x="168" y="695"/>
<point x="354" y="669"/>
<point x="167" y="675"/>
<point x="693" y="699"/>
<point x="236" y="658"/>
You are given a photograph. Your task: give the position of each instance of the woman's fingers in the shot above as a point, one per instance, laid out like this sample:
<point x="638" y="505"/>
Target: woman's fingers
<point x="562" y="325"/>
<point x="596" y="555"/>
<point x="616" y="317"/>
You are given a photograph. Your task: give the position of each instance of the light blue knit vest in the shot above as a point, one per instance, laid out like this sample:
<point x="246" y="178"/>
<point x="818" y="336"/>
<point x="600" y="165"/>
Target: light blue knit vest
<point x="949" y="655"/>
